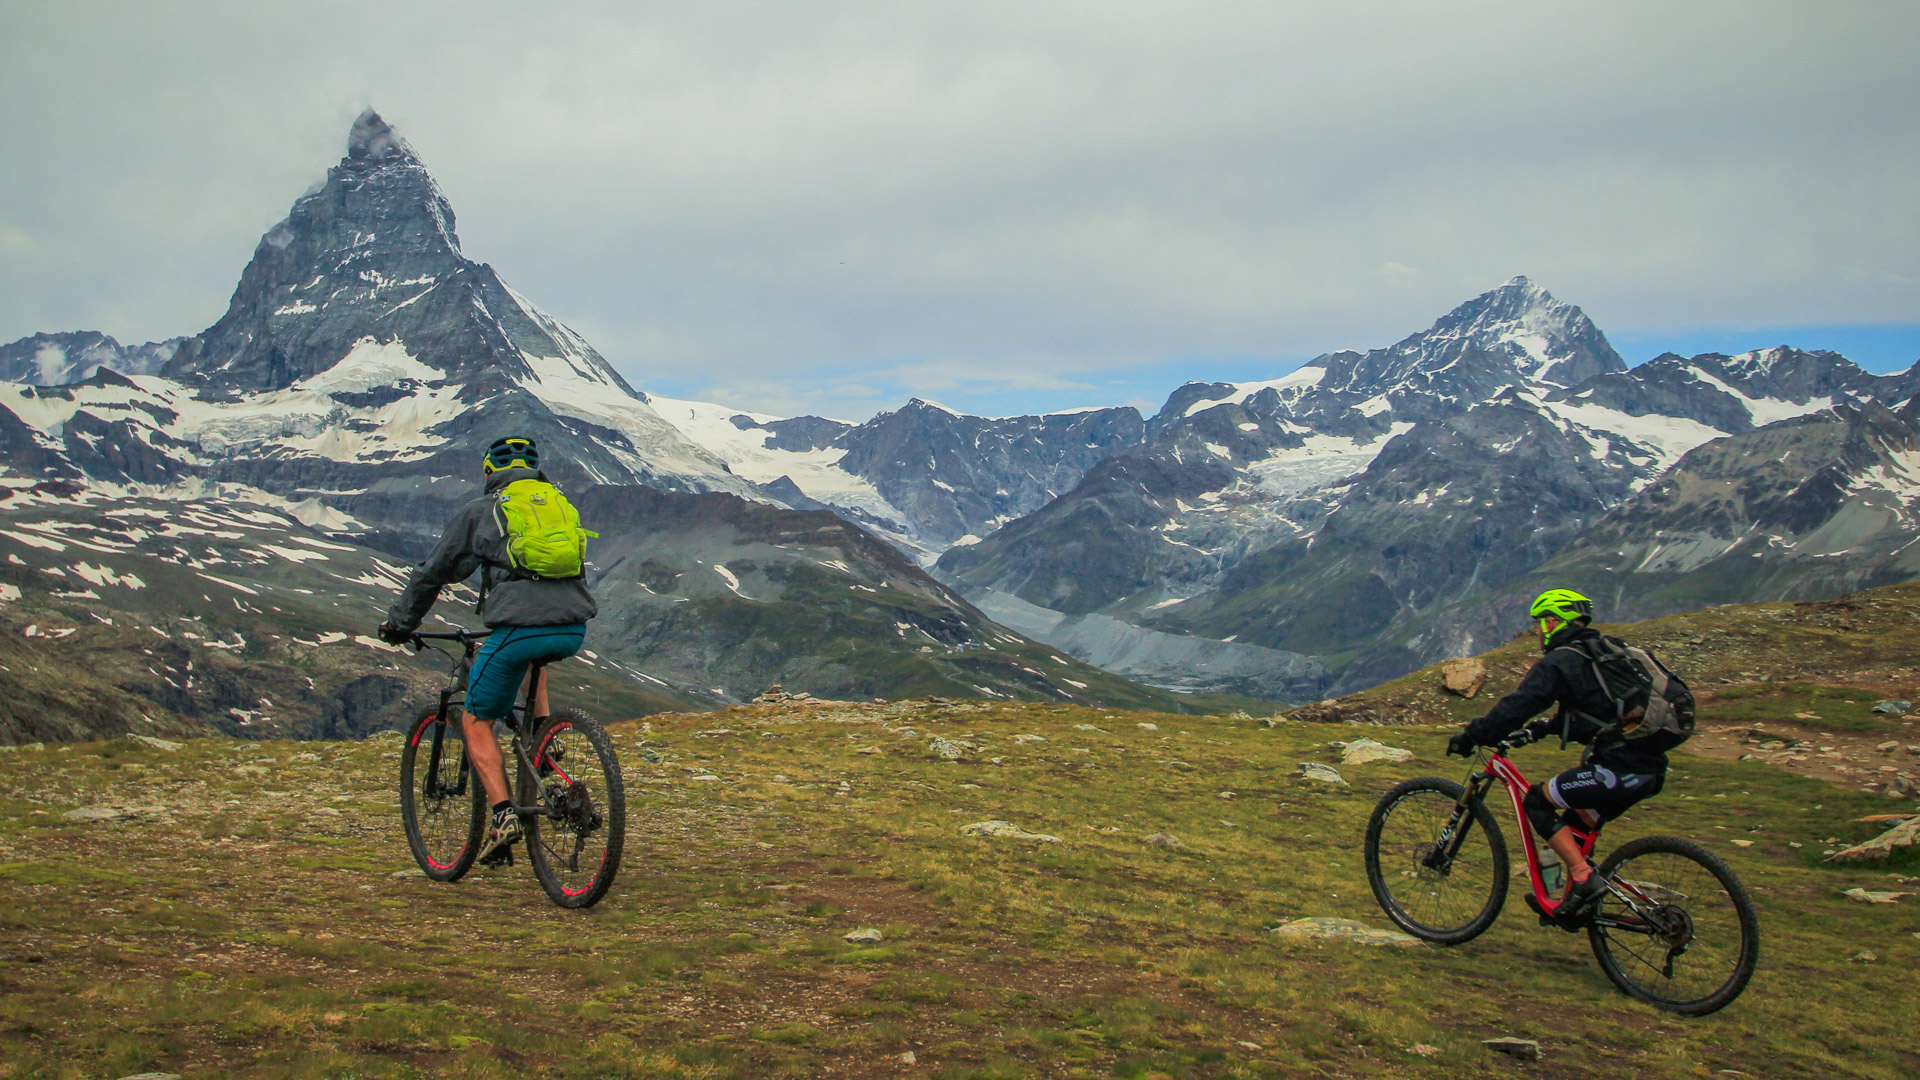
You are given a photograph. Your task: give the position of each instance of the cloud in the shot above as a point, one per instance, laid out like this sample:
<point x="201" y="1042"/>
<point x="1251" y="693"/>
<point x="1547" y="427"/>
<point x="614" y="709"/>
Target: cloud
<point x="885" y="196"/>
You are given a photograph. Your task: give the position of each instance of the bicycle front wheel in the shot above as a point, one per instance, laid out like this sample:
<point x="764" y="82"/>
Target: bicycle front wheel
<point x="575" y="846"/>
<point x="1689" y="940"/>
<point x="441" y="804"/>
<point x="1438" y="871"/>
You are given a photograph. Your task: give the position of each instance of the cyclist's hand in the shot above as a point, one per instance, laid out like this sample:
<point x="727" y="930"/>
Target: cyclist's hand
<point x="1460" y="745"/>
<point x="393" y="635"/>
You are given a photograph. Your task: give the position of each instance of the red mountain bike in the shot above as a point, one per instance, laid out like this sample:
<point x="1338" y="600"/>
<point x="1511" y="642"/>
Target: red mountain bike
<point x="1673" y="928"/>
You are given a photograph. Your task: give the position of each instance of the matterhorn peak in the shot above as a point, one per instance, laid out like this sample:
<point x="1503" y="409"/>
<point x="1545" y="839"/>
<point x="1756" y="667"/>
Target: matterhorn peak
<point x="373" y="139"/>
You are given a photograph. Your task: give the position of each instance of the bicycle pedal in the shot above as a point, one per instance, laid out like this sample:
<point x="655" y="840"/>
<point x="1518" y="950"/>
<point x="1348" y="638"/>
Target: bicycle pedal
<point x="498" y="857"/>
<point x="1533" y="902"/>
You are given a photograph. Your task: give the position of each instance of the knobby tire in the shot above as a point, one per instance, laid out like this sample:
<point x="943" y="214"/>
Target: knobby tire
<point x="1445" y="908"/>
<point x="443" y="831"/>
<point x="1725" y="946"/>
<point x="574" y="859"/>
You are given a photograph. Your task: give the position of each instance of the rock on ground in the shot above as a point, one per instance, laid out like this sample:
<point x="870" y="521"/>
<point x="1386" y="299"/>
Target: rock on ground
<point x="157" y="744"/>
<point x="1905" y="834"/>
<point x="1313" y="770"/>
<point x="1322" y="928"/>
<point x="1006" y="830"/>
<point x="1464" y="677"/>
<point x="949" y="749"/>
<point x="1165" y="840"/>
<point x="1361" y="751"/>
<point x="1869" y="896"/>
<point x="1524" y="1049"/>
<point x="864" y="936"/>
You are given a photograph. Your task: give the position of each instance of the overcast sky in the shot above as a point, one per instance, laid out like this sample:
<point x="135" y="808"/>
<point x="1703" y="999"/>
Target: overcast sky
<point x="820" y="207"/>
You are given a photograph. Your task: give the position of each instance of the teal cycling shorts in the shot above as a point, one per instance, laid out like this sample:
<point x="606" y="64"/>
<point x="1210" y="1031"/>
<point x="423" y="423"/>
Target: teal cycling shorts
<point x="503" y="659"/>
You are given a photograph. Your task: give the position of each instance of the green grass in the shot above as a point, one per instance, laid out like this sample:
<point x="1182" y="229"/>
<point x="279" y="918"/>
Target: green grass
<point x="291" y="951"/>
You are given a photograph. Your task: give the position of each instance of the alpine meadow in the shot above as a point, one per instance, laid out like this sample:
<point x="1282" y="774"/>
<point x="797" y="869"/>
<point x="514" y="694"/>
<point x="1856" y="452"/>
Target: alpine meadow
<point x="1423" y="681"/>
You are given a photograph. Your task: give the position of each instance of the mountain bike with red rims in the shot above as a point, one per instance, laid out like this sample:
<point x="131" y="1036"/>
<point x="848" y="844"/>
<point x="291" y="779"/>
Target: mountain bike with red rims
<point x="1673" y="926"/>
<point x="568" y="790"/>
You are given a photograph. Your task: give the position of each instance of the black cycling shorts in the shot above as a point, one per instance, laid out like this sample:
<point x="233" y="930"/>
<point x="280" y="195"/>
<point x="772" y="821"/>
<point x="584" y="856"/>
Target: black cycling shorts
<point x="1593" y="795"/>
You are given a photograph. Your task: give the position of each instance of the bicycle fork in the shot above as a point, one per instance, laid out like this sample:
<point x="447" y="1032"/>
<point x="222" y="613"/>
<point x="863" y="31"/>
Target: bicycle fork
<point x="1453" y="836"/>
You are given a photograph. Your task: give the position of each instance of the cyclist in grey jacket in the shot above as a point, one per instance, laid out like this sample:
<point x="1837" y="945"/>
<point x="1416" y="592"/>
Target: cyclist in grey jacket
<point x="532" y="619"/>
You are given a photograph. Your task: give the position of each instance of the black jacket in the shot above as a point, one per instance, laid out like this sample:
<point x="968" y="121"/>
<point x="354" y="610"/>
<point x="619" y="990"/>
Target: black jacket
<point x="473" y="542"/>
<point x="1565" y="677"/>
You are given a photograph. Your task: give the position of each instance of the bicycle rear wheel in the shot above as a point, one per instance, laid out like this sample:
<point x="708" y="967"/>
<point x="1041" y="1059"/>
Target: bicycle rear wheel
<point x="1443" y="900"/>
<point x="1689" y="942"/>
<point x="575" y="847"/>
<point x="441" y="804"/>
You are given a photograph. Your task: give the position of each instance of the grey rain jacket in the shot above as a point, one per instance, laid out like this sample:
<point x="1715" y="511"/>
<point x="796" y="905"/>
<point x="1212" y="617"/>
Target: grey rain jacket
<point x="1565" y="677"/>
<point x="473" y="541"/>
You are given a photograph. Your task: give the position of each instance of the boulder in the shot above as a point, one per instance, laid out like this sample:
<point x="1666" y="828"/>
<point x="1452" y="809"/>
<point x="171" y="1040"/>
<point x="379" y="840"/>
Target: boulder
<point x="1893" y="708"/>
<point x="1322" y="928"/>
<point x="1524" y="1049"/>
<point x="1905" y="834"/>
<point x="157" y="744"/>
<point x="1165" y="840"/>
<point x="865" y="936"/>
<point x="1005" y="830"/>
<point x="1464" y="677"/>
<point x="1361" y="751"/>
<point x="950" y="749"/>
<point x="1313" y="770"/>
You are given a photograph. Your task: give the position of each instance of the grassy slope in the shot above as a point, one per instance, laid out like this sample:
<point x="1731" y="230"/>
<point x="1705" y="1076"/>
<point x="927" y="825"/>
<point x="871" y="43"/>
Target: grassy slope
<point x="247" y="931"/>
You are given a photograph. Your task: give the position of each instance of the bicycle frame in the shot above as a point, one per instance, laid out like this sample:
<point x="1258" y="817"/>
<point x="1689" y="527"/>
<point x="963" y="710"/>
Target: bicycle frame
<point x="1500" y="768"/>
<point x="455" y="694"/>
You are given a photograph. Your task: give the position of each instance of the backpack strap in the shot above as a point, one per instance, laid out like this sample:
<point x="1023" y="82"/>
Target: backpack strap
<point x="1590" y="648"/>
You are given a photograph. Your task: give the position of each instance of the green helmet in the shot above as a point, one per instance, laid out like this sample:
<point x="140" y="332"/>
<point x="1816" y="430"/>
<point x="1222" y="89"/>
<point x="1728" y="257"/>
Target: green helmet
<point x="1565" y="604"/>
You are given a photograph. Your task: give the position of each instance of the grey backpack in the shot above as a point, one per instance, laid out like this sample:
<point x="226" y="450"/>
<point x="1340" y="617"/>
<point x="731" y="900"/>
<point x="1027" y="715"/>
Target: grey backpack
<point x="1652" y="707"/>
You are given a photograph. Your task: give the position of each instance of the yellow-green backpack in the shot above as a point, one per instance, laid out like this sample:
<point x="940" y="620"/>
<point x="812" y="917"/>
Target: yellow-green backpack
<point x="542" y="530"/>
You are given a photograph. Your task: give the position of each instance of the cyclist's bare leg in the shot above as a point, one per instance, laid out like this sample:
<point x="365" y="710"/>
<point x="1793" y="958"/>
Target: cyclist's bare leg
<point x="1567" y="845"/>
<point x="484" y="751"/>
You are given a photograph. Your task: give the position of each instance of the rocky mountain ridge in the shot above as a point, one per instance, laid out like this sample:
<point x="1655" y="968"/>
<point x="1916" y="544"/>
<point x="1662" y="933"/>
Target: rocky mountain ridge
<point x="1335" y="526"/>
<point x="362" y="366"/>
<point x="53" y="359"/>
<point x="1328" y="514"/>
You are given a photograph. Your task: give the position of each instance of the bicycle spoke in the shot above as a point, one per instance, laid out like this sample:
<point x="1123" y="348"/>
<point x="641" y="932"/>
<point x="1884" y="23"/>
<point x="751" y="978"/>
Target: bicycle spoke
<point x="1426" y="892"/>
<point x="439" y="800"/>
<point x="576" y="846"/>
<point x="1687" y="941"/>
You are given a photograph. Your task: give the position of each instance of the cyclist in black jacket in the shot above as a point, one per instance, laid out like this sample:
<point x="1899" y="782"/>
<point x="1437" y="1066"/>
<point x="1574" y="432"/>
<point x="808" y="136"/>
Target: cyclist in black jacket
<point x="1612" y="775"/>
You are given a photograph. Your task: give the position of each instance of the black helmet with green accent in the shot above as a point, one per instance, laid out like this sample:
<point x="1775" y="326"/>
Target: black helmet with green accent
<point x="512" y="452"/>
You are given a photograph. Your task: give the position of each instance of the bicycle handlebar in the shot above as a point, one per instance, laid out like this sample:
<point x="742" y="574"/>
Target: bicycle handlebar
<point x="457" y="635"/>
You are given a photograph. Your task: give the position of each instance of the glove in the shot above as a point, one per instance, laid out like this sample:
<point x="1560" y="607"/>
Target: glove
<point x="1461" y="745"/>
<point x="393" y="635"/>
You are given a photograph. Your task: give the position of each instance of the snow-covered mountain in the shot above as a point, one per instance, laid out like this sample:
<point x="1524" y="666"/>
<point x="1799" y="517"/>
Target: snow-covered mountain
<point x="1328" y="528"/>
<point x="363" y="365"/>
<point x="364" y="361"/>
<point x="923" y="476"/>
<point x="1322" y="513"/>
<point x="52" y="359"/>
